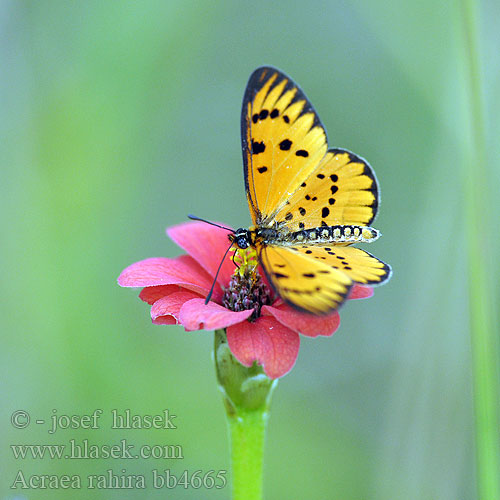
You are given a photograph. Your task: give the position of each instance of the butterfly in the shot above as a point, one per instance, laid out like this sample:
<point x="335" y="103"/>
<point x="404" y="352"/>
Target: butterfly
<point x="308" y="203"/>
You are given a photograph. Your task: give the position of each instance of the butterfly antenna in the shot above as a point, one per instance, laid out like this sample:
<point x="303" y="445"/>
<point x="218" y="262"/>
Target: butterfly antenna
<point x="209" y="296"/>
<point x="193" y="217"/>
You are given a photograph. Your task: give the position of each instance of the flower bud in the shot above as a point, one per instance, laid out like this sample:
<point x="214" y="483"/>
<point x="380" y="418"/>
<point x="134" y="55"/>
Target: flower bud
<point x="244" y="388"/>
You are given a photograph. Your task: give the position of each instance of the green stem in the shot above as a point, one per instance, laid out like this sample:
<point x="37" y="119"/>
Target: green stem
<point x="247" y="430"/>
<point x="484" y="346"/>
<point x="247" y="396"/>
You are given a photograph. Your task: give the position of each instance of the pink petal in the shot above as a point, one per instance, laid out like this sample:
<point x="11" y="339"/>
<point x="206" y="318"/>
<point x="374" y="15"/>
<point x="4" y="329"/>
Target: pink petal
<point x="304" y="323"/>
<point x="195" y="315"/>
<point x="278" y="302"/>
<point x="151" y="294"/>
<point x="165" y="311"/>
<point x="165" y="320"/>
<point x="207" y="244"/>
<point x="266" y="341"/>
<point x="183" y="270"/>
<point x="360" y="292"/>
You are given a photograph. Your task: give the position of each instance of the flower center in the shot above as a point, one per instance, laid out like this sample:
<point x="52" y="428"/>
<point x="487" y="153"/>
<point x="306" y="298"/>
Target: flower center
<point x="246" y="289"/>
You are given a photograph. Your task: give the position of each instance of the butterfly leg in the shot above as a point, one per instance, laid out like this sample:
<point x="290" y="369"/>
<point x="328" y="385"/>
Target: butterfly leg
<point x="234" y="262"/>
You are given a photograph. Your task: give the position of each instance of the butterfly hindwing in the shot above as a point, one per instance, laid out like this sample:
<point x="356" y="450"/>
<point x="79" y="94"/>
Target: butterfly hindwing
<point x="307" y="284"/>
<point x="341" y="190"/>
<point x="283" y="140"/>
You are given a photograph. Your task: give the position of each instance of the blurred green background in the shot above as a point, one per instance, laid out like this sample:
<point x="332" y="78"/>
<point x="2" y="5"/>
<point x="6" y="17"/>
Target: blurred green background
<point x="119" y="118"/>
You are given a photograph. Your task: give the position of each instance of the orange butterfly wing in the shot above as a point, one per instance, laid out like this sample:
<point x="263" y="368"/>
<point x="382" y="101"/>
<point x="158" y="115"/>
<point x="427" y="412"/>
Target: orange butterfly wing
<point x="283" y="141"/>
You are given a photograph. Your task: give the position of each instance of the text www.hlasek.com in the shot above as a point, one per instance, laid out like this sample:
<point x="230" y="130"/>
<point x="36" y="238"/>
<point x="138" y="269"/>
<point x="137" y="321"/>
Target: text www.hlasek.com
<point x="85" y="450"/>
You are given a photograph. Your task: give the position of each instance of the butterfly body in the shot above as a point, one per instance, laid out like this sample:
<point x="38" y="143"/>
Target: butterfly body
<point x="308" y="203"/>
<point x="319" y="235"/>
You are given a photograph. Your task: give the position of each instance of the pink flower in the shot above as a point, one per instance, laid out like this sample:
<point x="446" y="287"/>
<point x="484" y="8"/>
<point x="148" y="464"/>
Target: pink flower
<point x="176" y="290"/>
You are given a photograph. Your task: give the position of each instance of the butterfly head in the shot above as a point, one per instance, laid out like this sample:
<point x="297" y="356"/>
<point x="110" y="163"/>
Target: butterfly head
<point x="241" y="238"/>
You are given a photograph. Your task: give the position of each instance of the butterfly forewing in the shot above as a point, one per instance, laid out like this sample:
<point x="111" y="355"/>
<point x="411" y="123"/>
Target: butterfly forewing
<point x="282" y="138"/>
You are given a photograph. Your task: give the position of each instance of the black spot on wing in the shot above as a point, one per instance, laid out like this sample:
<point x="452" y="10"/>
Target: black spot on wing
<point x="285" y="144"/>
<point x="280" y="276"/>
<point x="258" y="147"/>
